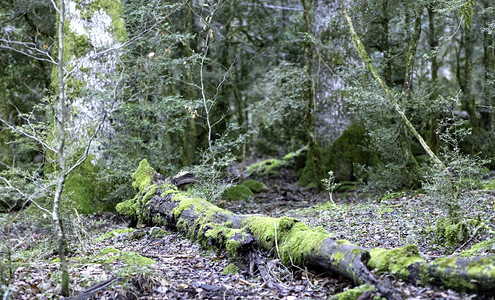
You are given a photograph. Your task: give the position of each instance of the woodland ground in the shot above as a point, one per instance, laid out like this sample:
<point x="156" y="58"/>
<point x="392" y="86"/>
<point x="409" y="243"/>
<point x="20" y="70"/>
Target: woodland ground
<point x="183" y="270"/>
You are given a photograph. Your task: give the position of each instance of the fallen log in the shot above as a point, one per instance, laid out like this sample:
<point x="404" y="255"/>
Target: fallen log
<point x="159" y="202"/>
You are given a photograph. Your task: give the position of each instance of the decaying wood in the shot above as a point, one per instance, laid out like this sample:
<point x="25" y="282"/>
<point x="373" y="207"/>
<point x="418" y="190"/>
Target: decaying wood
<point x="90" y="292"/>
<point x="158" y="202"/>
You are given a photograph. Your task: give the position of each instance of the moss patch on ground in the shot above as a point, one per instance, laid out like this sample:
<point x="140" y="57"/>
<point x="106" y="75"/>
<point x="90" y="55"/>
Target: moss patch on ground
<point x="237" y="192"/>
<point x="114" y="233"/>
<point x="255" y="186"/>
<point x="230" y="269"/>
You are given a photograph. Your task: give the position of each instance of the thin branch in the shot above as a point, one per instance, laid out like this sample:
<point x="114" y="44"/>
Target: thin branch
<point x="33" y="137"/>
<point x="26" y="45"/>
<point x="28" y="197"/>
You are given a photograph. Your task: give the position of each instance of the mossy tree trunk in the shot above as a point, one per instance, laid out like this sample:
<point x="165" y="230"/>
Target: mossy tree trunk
<point x="158" y="202"/>
<point x="314" y="146"/>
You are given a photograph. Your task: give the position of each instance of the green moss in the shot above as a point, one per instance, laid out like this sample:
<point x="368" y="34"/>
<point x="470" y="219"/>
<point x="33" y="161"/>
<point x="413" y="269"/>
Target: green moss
<point x="143" y="176"/>
<point x="354" y="293"/>
<point x="308" y="176"/>
<point x="74" y="44"/>
<point x="337" y="257"/>
<point x="295" y="239"/>
<point x="265" y="168"/>
<point x="293" y="155"/>
<point x="482" y="268"/>
<point x="348" y="150"/>
<point x="128" y="208"/>
<point x="129" y="262"/>
<point x="157" y="232"/>
<point x="113" y="233"/>
<point x="489" y="185"/>
<point x="343" y="242"/>
<point x="444" y="269"/>
<point x="82" y="189"/>
<point x="114" y="9"/>
<point x="487" y="246"/>
<point x="453" y="232"/>
<point x="395" y="261"/>
<point x="237" y="192"/>
<point x="230" y="269"/>
<point x="255" y="186"/>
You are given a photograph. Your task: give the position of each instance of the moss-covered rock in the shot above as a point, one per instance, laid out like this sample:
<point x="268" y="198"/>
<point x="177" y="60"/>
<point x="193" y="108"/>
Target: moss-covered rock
<point x="255" y="186"/>
<point x="395" y="261"/>
<point x="237" y="192"/>
<point x="349" y="149"/>
<point x="265" y="168"/>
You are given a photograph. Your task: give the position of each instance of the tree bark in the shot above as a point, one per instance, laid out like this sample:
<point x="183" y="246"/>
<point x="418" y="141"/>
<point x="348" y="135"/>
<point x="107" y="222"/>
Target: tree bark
<point x="60" y="122"/>
<point x="158" y="202"/>
<point x="314" y="146"/>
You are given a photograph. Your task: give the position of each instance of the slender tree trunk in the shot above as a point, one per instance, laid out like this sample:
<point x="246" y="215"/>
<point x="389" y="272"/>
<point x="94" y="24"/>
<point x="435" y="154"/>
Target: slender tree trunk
<point x="487" y="115"/>
<point x="433" y="43"/>
<point x="387" y="70"/>
<point x="60" y="121"/>
<point x="310" y="107"/>
<point x="469" y="100"/>
<point x="411" y="57"/>
<point x="5" y="154"/>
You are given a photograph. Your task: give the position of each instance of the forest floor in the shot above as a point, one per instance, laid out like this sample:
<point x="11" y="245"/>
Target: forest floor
<point x="181" y="269"/>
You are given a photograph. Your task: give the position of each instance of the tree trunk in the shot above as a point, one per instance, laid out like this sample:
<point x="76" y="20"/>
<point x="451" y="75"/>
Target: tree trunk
<point x="332" y="115"/>
<point x="60" y="122"/>
<point x="158" y="202"/>
<point x="433" y="43"/>
<point x="314" y="146"/>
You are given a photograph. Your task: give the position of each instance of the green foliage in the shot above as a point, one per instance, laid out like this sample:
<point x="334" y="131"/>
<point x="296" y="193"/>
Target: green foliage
<point x="238" y="192"/>
<point x="452" y="232"/>
<point x="330" y="185"/>
<point x="450" y="188"/>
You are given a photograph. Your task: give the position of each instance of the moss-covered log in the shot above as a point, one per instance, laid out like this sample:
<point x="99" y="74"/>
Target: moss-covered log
<point x="159" y="202"/>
